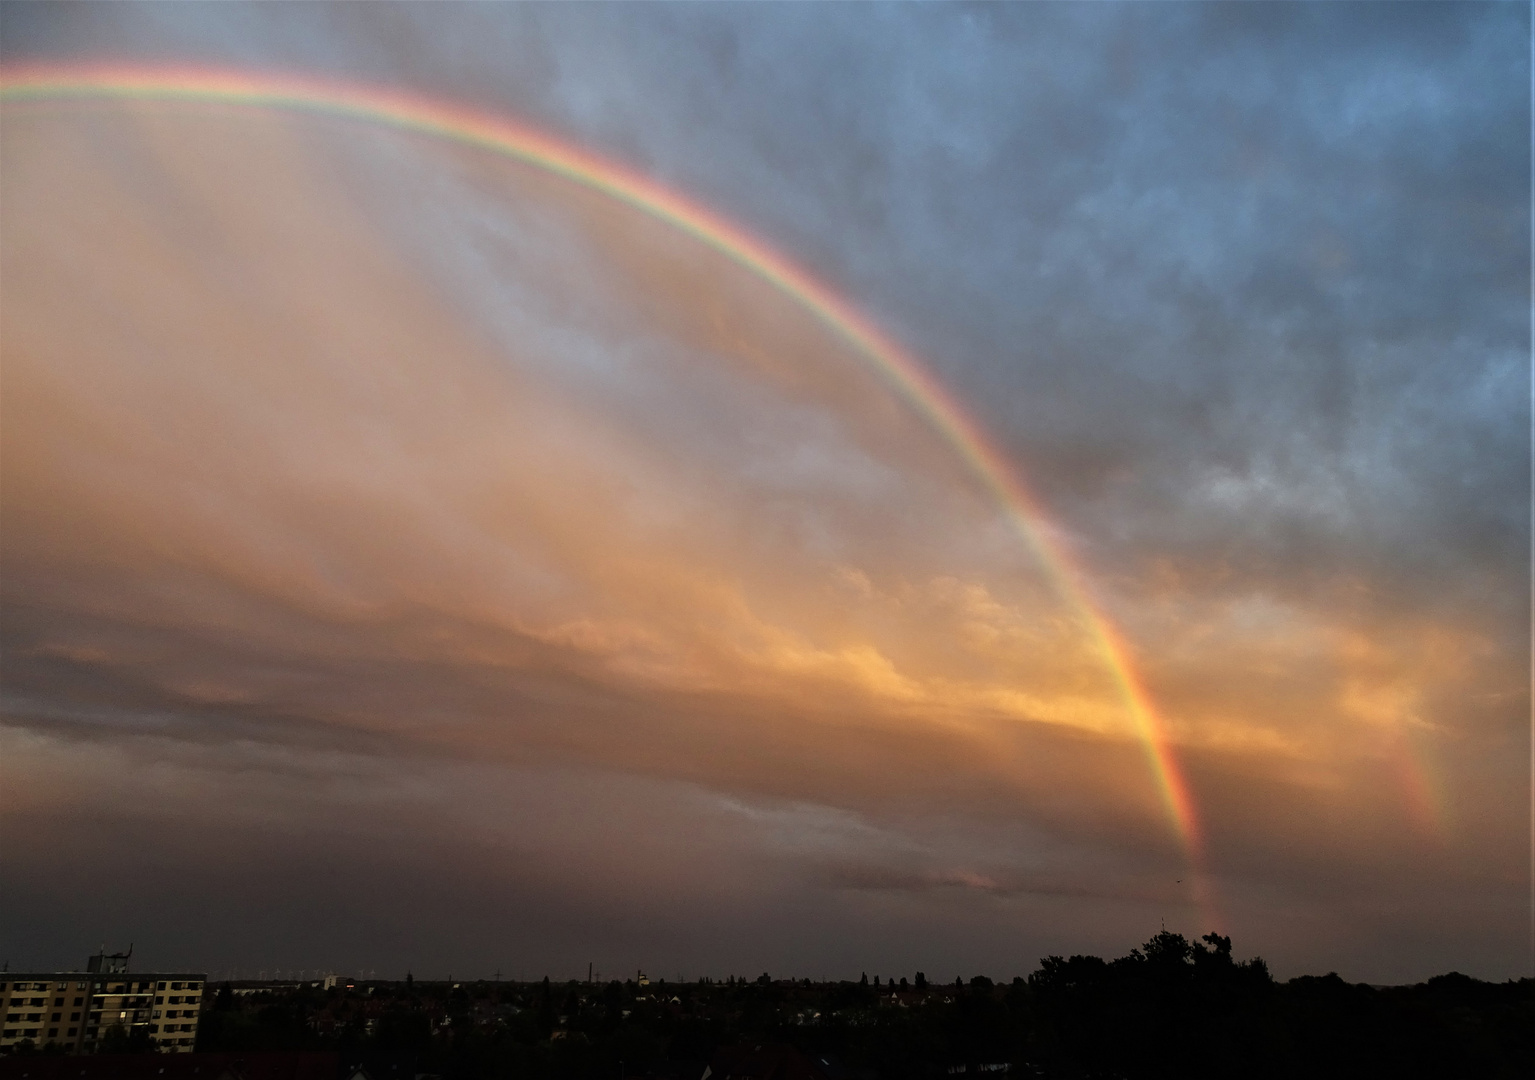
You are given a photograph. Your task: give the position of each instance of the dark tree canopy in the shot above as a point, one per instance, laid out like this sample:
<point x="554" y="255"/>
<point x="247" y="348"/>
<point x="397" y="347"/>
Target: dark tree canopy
<point x="1171" y="1008"/>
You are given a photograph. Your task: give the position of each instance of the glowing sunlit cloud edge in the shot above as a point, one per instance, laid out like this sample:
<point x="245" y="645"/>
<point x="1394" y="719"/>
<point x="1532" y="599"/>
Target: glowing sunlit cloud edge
<point x="518" y="141"/>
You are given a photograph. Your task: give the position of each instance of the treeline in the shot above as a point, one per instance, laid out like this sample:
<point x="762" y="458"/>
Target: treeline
<point x="1173" y="1008"/>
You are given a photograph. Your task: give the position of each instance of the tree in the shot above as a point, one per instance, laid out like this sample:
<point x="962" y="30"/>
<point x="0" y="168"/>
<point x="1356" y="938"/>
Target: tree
<point x="121" y="1040"/>
<point x="545" y="1009"/>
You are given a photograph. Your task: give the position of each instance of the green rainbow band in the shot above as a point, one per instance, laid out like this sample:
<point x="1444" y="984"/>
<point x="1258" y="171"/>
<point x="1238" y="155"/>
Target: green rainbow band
<point x="525" y="144"/>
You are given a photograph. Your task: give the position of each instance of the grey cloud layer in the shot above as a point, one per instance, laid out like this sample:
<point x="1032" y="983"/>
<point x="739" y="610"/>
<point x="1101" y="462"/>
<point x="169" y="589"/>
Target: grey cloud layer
<point x="1251" y="280"/>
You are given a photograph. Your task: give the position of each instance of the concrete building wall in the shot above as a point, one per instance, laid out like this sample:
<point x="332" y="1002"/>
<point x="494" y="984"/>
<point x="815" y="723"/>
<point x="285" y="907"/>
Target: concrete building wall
<point x="75" y="1010"/>
<point x="45" y="1008"/>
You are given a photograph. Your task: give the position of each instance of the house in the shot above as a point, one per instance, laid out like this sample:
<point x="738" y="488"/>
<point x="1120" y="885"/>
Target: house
<point x="765" y="1061"/>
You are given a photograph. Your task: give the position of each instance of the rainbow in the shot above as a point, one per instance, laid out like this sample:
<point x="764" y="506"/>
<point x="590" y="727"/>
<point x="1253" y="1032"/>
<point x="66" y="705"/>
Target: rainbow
<point x="498" y="135"/>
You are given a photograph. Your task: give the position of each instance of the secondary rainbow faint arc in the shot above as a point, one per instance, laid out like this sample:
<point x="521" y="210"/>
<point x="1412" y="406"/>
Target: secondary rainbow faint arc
<point x="518" y="141"/>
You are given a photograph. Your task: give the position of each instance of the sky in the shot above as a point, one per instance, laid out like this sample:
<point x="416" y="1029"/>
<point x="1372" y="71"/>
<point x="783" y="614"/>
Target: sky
<point x="412" y="558"/>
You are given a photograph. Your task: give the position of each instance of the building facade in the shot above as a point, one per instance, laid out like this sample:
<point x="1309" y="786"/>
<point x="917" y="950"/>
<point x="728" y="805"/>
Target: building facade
<point x="77" y="1010"/>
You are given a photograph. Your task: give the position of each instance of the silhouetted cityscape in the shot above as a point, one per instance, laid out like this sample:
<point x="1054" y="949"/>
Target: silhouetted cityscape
<point x="1173" y="1008"/>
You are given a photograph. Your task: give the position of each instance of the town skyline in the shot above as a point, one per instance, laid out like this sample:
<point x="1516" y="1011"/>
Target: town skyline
<point x="794" y="488"/>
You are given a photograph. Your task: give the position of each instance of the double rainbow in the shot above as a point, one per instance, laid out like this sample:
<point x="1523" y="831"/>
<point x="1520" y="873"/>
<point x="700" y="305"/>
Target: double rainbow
<point x="499" y="135"/>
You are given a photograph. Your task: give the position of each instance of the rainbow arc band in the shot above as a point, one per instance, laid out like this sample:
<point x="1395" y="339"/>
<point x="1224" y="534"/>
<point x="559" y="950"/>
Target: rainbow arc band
<point x="502" y="136"/>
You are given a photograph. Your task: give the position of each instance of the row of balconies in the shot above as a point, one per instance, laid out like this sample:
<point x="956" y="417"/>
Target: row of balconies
<point x="19" y="1033"/>
<point x="20" y="1018"/>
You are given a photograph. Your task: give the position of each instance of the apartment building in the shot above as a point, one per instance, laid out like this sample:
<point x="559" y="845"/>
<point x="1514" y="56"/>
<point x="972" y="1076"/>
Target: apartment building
<point x="76" y="1010"/>
<point x="45" y="1009"/>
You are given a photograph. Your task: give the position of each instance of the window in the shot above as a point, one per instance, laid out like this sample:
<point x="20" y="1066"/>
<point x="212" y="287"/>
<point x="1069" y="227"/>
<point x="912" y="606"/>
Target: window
<point x="35" y="1001"/>
<point x="52" y="1032"/>
<point x="79" y="1001"/>
<point x="8" y="1033"/>
<point x="72" y="1031"/>
<point x="157" y="1014"/>
<point x="56" y="1017"/>
<point x="154" y="1029"/>
<point x="159" y="986"/>
<point x="74" y="1016"/>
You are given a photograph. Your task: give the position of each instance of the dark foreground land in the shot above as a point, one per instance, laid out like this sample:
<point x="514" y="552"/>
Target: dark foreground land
<point x="1172" y="1009"/>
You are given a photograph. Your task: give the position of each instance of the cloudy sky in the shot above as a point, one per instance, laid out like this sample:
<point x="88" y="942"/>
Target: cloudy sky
<point x="414" y="559"/>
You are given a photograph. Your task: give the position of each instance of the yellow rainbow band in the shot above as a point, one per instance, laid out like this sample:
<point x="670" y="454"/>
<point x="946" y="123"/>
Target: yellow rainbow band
<point x="525" y="144"/>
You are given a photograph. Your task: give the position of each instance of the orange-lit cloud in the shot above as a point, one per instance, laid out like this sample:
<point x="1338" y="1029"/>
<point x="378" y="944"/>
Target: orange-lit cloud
<point x="354" y="478"/>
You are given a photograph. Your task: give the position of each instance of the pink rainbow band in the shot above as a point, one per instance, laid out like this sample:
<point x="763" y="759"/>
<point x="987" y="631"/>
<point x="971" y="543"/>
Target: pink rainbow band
<point x="515" y="140"/>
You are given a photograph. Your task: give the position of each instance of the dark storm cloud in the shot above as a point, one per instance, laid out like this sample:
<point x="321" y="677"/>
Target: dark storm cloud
<point x="1250" y="279"/>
